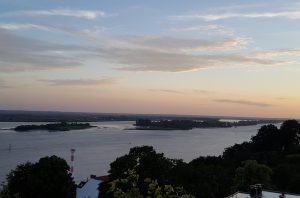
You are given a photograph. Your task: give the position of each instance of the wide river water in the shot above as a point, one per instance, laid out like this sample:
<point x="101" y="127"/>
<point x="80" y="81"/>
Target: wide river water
<point x="97" y="147"/>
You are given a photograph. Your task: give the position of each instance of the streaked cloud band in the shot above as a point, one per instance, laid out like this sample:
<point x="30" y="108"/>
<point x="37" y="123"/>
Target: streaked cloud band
<point x="214" y="17"/>
<point x="82" y="82"/>
<point x="86" y="14"/>
<point x="244" y="102"/>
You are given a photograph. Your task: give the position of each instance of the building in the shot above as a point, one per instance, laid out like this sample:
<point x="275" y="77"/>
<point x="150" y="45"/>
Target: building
<point x="89" y="188"/>
<point x="265" y="194"/>
<point x="257" y="192"/>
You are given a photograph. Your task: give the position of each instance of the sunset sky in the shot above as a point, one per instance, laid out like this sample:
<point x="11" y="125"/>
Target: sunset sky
<point x="231" y="58"/>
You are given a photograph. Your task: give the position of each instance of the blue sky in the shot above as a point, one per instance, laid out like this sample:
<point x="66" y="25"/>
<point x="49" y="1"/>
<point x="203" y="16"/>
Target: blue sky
<point x="237" y="58"/>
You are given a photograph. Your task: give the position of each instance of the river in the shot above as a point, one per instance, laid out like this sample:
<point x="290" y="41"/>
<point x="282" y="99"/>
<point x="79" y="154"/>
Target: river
<point x="97" y="147"/>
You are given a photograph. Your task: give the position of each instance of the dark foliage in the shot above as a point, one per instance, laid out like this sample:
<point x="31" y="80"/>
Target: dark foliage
<point x="274" y="155"/>
<point x="63" y="126"/>
<point x="190" y="124"/>
<point x="47" y="178"/>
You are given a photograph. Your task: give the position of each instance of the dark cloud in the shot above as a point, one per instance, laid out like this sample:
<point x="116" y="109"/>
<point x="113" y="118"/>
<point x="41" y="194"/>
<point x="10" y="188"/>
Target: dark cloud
<point x="244" y="102"/>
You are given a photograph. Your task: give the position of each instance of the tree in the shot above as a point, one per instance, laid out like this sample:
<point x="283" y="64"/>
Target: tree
<point x="290" y="134"/>
<point x="144" y="161"/>
<point x="252" y="173"/>
<point x="129" y="188"/>
<point x="47" y="178"/>
<point x="287" y="174"/>
<point x="267" y="139"/>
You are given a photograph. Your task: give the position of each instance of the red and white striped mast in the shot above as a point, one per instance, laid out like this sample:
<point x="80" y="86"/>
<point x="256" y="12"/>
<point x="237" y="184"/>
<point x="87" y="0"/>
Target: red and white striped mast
<point x="72" y="161"/>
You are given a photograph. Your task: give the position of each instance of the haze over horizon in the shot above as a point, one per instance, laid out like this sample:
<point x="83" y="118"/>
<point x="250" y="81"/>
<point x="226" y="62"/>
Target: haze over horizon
<point x="229" y="58"/>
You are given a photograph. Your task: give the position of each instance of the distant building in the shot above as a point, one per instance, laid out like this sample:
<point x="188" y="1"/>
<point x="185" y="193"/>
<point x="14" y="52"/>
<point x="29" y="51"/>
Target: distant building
<point x="89" y="188"/>
<point x="257" y="192"/>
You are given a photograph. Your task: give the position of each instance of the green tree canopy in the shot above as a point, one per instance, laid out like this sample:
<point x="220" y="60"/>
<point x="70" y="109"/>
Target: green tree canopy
<point x="128" y="188"/>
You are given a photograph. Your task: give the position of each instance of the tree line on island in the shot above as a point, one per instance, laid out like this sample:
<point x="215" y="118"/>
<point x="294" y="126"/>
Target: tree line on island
<point x="147" y="124"/>
<point x="271" y="158"/>
<point x="62" y="126"/>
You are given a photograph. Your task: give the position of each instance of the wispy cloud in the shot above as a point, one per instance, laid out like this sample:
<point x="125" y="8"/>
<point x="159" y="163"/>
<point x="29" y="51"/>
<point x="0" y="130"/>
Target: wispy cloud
<point x="169" y="44"/>
<point x="234" y="7"/>
<point x="204" y="29"/>
<point x="131" y="53"/>
<point x="244" y="102"/>
<point x="19" y="53"/>
<point x="276" y="53"/>
<point x="82" y="82"/>
<point x="3" y="84"/>
<point x="282" y="98"/>
<point x="149" y="60"/>
<point x="182" y="91"/>
<point x="202" y="91"/>
<point x="197" y="28"/>
<point x="214" y="17"/>
<point x="171" y="54"/>
<point x="172" y="91"/>
<point x="86" y="14"/>
<point x="19" y="26"/>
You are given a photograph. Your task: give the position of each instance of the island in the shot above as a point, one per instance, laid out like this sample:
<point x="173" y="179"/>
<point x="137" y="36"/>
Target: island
<point x="62" y="126"/>
<point x="146" y="124"/>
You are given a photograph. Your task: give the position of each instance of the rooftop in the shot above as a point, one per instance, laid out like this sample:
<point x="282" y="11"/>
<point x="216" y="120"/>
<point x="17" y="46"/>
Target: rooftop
<point x="265" y="194"/>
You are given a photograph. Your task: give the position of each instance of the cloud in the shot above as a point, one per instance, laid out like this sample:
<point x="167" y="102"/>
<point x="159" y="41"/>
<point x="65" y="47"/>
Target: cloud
<point x="157" y="43"/>
<point x="244" y="102"/>
<point x="19" y="53"/>
<point x="276" y="53"/>
<point x="86" y="14"/>
<point x="166" y="91"/>
<point x="203" y="91"/>
<point x="3" y="84"/>
<point x="169" y="44"/>
<point x="282" y="98"/>
<point x="196" y="28"/>
<point x="82" y="82"/>
<point x="214" y="17"/>
<point x="184" y="91"/>
<point x="171" y="54"/>
<point x="150" y="60"/>
<point x="204" y="29"/>
<point x="19" y="26"/>
<point x="130" y="53"/>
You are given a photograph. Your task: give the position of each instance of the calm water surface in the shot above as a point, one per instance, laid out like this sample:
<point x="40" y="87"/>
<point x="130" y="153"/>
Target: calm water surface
<point x="97" y="147"/>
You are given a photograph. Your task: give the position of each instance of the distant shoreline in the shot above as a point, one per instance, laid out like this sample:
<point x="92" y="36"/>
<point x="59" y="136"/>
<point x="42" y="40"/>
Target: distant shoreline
<point x="146" y="124"/>
<point x="56" y="116"/>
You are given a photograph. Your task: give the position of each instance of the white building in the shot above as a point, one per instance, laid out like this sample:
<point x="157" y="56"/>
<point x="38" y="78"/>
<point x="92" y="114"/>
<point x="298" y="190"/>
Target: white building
<point x="265" y="194"/>
<point x="89" y="189"/>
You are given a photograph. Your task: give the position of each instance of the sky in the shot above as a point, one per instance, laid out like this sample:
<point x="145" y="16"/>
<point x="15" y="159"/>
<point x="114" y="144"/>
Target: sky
<point x="225" y="57"/>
